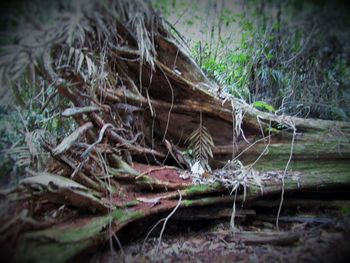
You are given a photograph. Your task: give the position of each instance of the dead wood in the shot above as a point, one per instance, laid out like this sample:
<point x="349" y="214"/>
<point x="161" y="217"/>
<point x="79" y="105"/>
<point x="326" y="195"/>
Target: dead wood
<point x="136" y="120"/>
<point x="279" y="238"/>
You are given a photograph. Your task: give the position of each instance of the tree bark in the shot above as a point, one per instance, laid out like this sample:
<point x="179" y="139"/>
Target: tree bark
<point x="100" y="189"/>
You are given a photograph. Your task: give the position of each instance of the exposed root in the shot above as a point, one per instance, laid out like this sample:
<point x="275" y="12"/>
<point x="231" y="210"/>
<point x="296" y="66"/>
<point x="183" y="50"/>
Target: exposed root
<point x="123" y="89"/>
<point x="233" y="215"/>
<point x="292" y="125"/>
<point x="166" y="220"/>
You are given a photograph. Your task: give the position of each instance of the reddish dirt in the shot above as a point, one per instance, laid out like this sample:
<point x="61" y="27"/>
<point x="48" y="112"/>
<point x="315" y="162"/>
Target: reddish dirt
<point x="166" y="174"/>
<point x="170" y="177"/>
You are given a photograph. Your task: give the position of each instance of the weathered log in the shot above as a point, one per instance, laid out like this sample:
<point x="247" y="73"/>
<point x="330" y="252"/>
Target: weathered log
<point x="282" y="239"/>
<point x="146" y="70"/>
<point x="71" y="239"/>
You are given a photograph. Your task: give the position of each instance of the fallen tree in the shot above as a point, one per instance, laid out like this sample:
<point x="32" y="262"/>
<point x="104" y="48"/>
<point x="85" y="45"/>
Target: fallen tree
<point x="154" y="136"/>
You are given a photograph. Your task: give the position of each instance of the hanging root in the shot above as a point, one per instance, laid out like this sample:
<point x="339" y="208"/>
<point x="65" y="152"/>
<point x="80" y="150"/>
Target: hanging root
<point x="233" y="215"/>
<point x="165" y="220"/>
<point x="292" y="125"/>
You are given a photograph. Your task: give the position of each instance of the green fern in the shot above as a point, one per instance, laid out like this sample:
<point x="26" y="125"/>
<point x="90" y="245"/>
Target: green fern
<point x="201" y="144"/>
<point x="264" y="106"/>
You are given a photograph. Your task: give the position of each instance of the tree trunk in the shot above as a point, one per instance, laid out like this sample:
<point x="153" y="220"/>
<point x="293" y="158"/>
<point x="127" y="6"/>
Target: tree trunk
<point x="114" y="170"/>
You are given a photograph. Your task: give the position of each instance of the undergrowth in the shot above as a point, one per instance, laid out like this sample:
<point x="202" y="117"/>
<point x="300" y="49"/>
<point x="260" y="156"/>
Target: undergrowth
<point x="289" y="58"/>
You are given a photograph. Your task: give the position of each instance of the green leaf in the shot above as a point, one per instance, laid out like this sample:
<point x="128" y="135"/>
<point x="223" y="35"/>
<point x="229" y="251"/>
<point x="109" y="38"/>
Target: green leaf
<point x="264" y="106"/>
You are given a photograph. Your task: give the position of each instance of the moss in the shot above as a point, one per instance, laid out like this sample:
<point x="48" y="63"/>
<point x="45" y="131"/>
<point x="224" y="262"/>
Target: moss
<point x="317" y="173"/>
<point x="123" y="217"/>
<point x="145" y="180"/>
<point x="60" y="245"/>
<point x="201" y="201"/>
<point x="123" y="166"/>
<point x="272" y="130"/>
<point x="49" y="251"/>
<point x="312" y="166"/>
<point x="132" y="203"/>
<point x="344" y="210"/>
<point x="187" y="202"/>
<point x="201" y="188"/>
<point x="331" y="148"/>
<point x="72" y="233"/>
<point x="90" y="229"/>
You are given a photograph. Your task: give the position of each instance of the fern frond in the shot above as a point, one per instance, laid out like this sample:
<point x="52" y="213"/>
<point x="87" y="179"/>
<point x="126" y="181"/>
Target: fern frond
<point x="32" y="154"/>
<point x="201" y="143"/>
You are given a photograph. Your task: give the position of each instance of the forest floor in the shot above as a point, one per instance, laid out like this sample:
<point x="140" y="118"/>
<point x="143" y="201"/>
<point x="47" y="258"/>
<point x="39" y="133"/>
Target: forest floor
<point x="254" y="241"/>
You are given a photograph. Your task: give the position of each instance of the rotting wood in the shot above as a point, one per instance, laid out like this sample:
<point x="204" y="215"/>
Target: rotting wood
<point x="78" y="111"/>
<point x="126" y="181"/>
<point x="71" y="139"/>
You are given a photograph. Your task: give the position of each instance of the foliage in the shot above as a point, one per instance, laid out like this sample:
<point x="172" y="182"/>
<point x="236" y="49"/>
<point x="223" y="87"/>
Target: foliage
<point x="200" y="145"/>
<point x="23" y="128"/>
<point x="344" y="210"/>
<point x="229" y="71"/>
<point x="264" y="106"/>
<point x="66" y="38"/>
<point x="297" y="64"/>
<point x="23" y="133"/>
<point x="9" y="134"/>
